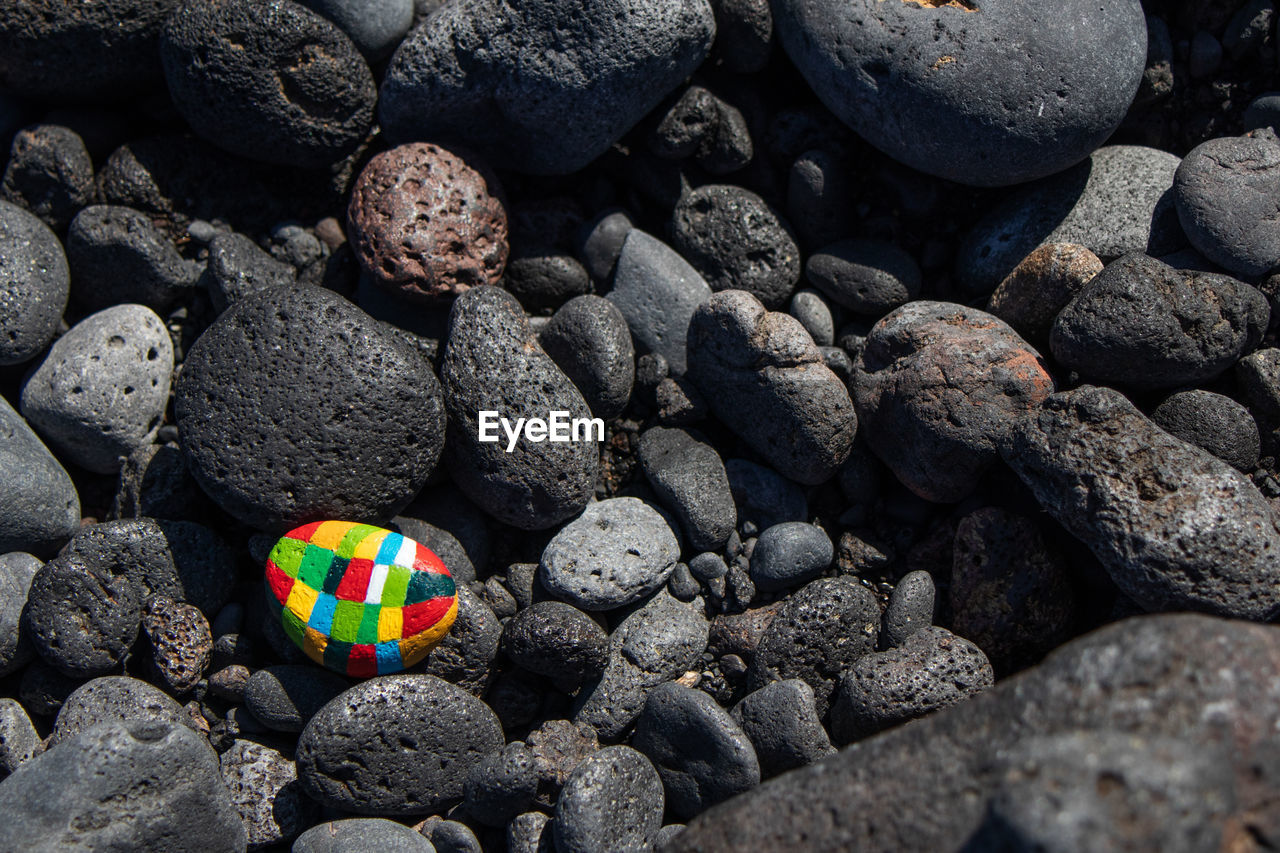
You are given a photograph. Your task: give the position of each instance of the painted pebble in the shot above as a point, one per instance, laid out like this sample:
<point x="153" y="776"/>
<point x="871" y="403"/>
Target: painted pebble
<point x="359" y="599"/>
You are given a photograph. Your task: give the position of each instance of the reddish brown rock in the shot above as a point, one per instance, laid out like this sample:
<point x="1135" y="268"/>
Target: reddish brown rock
<point x="427" y="224"/>
<point x="181" y="642"/>
<point x="940" y="386"/>
<point x="1041" y="286"/>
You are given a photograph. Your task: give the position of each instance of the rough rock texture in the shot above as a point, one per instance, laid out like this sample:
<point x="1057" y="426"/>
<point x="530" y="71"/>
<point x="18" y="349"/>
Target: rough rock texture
<point x="42" y="507"/>
<point x="285" y="696"/>
<point x="268" y="81"/>
<point x="1144" y="324"/>
<point x="114" y="698"/>
<point x="1175" y="527"/>
<point x="492" y="362"/>
<point x="264" y="788"/>
<point x="361" y="835"/>
<point x="295" y="406"/>
<point x="590" y="341"/>
<point x="238" y="267"/>
<point x="612" y="801"/>
<point x="782" y="722"/>
<point x="1154" y="676"/>
<point x="396" y="745"/>
<point x="765" y="379"/>
<point x="501" y="77"/>
<point x="556" y="639"/>
<point x="690" y="480"/>
<point x="428" y="224"/>
<point x="49" y="173"/>
<point x="1040" y="286"/>
<point x="34" y="284"/>
<point x="940" y="386"/>
<point x="117" y="254"/>
<point x="1003" y="78"/>
<point x="142" y="785"/>
<point x="1215" y="422"/>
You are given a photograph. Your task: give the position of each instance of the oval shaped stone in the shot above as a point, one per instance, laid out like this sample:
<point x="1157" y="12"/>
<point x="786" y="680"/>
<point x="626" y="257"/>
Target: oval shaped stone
<point x="34" y="284"/>
<point x="359" y="599"/>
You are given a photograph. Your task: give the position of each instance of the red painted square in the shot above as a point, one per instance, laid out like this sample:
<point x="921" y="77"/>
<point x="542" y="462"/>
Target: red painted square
<point x="362" y="662"/>
<point x="421" y="616"/>
<point x="355" y="583"/>
<point x="279" y="582"/>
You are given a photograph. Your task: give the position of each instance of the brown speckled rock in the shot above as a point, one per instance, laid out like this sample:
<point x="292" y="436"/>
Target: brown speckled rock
<point x="426" y="224"/>
<point x="1041" y="286"/>
<point x="181" y="642"/>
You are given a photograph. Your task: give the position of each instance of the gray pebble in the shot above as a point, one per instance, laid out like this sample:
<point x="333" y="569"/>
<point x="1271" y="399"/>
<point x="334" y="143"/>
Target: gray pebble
<point x="790" y="554"/>
<point x="502" y="785"/>
<point x="817" y="635"/>
<point x="238" y="267"/>
<point x="466" y="653"/>
<point x="49" y="173"/>
<point x="589" y="339"/>
<point x="361" y="835"/>
<point x="17" y="569"/>
<point x="19" y="740"/>
<point x="601" y="243"/>
<point x="138" y="785"/>
<point x="374" y="28"/>
<point x="1040" y="286"/>
<point x="117" y="256"/>
<point x="765" y="379"/>
<point x="450" y="836"/>
<point x="744" y="34"/>
<point x="657" y="642"/>
<point x="869" y="277"/>
<point x="263" y="784"/>
<point x="492" y="362"/>
<point x="1120" y="201"/>
<point x="114" y="698"/>
<point x="682" y="584"/>
<point x="818" y="194"/>
<point x="1174" y="526"/>
<point x="347" y="760"/>
<point x="808" y="307"/>
<point x="1143" y="324"/>
<point x="657" y="292"/>
<point x="738" y="242"/>
<point x="910" y="608"/>
<point x="690" y="480"/>
<point x="1258" y="375"/>
<point x="35" y="283"/>
<point x="764" y="496"/>
<point x="530" y="833"/>
<point x="617" y="552"/>
<point x="1215" y="422"/>
<point x="708" y="565"/>
<point x="101" y="391"/>
<point x="613" y="801"/>
<point x="285" y="697"/>
<point x="782" y="722"/>
<point x="612" y="70"/>
<point x="700" y="752"/>
<point x="1223" y="191"/>
<point x="557" y="640"/>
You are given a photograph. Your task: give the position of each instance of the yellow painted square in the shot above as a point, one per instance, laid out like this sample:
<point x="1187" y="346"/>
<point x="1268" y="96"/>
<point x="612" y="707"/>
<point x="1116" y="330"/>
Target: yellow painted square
<point x="390" y="624"/>
<point x="368" y="547"/>
<point x="329" y="534"/>
<point x="315" y="645"/>
<point x="414" y="649"/>
<point x="302" y="599"/>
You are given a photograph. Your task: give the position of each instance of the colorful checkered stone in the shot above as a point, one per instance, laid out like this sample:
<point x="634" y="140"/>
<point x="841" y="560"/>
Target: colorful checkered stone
<point x="359" y="599"/>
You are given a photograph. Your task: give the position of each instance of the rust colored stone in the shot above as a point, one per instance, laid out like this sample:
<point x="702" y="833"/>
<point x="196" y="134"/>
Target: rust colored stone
<point x="181" y="643"/>
<point x="1041" y="286"/>
<point x="426" y="224"/>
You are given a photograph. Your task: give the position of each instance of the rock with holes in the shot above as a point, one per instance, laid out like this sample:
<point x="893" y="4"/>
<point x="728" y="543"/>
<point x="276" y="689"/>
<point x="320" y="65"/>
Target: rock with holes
<point x="101" y="391"/>
<point x="1174" y="526"/>
<point x="502" y="78"/>
<point x="17" y="569"/>
<point x="427" y="224"/>
<point x="492" y="363"/>
<point x="396" y="745"/>
<point x="940" y="385"/>
<point x="264" y="788"/>
<point x="137" y="785"/>
<point x="612" y="801"/>
<point x="34" y="284"/>
<point x="114" y="698"/>
<point x="42" y="507"/>
<point x="273" y="82"/>
<point x="361" y="835"/>
<point x="617" y="552"/>
<point x="295" y="406"/>
<point x="1004" y="78"/>
<point x="1143" y="324"/>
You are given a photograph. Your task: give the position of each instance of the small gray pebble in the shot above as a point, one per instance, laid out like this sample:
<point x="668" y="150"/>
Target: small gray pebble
<point x="601" y="243"/>
<point x="782" y="722"/>
<point x="814" y="314"/>
<point x="49" y="173"/>
<point x="530" y="833"/>
<point x="557" y="640"/>
<point x="1215" y="422"/>
<point x="238" y="267"/>
<point x="689" y="478"/>
<point x="118" y="256"/>
<point x="286" y="696"/>
<point x="869" y="277"/>
<point x="790" y="554"/>
<point x="910" y="608"/>
<point x="708" y="565"/>
<point x="19" y="740"/>
<point x="375" y="28"/>
<point x="589" y="339"/>
<point x="682" y="584"/>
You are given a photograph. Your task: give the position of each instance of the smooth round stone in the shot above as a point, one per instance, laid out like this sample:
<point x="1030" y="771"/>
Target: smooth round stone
<point x="615" y="553"/>
<point x="590" y="341"/>
<point x="1040" y="286"/>
<point x="986" y="94"/>
<point x="272" y="82"/>
<point x="1224" y="191"/>
<point x="35" y="282"/>
<point x="790" y="554"/>
<point x="396" y="745"/>
<point x="782" y="722"/>
<point x="428" y="224"/>
<point x="1120" y="201"/>
<point x="814" y="314"/>
<point x="284" y="697"/>
<point x="358" y="599"/>
<point x="700" y="752"/>
<point x="375" y="28"/>
<point x="1215" y="422"/>
<point x="17" y="569"/>
<point x="469" y="76"/>
<point x="557" y="640"/>
<point x="114" y="698"/>
<point x="361" y="835"/>
<point x="613" y="800"/>
<point x="869" y="277"/>
<point x="101" y="391"/>
<point x="910" y="608"/>
<point x="365" y="423"/>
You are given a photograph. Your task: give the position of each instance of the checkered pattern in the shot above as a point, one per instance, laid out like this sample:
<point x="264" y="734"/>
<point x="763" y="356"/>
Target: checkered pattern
<point x="359" y="599"/>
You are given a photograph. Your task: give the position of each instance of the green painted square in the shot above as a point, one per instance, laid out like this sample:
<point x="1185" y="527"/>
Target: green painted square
<point x="368" y="633"/>
<point x="346" y="621"/>
<point x="353" y="537"/>
<point x="397" y="584"/>
<point x="315" y="566"/>
<point x="287" y="554"/>
<point x="294" y="627"/>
